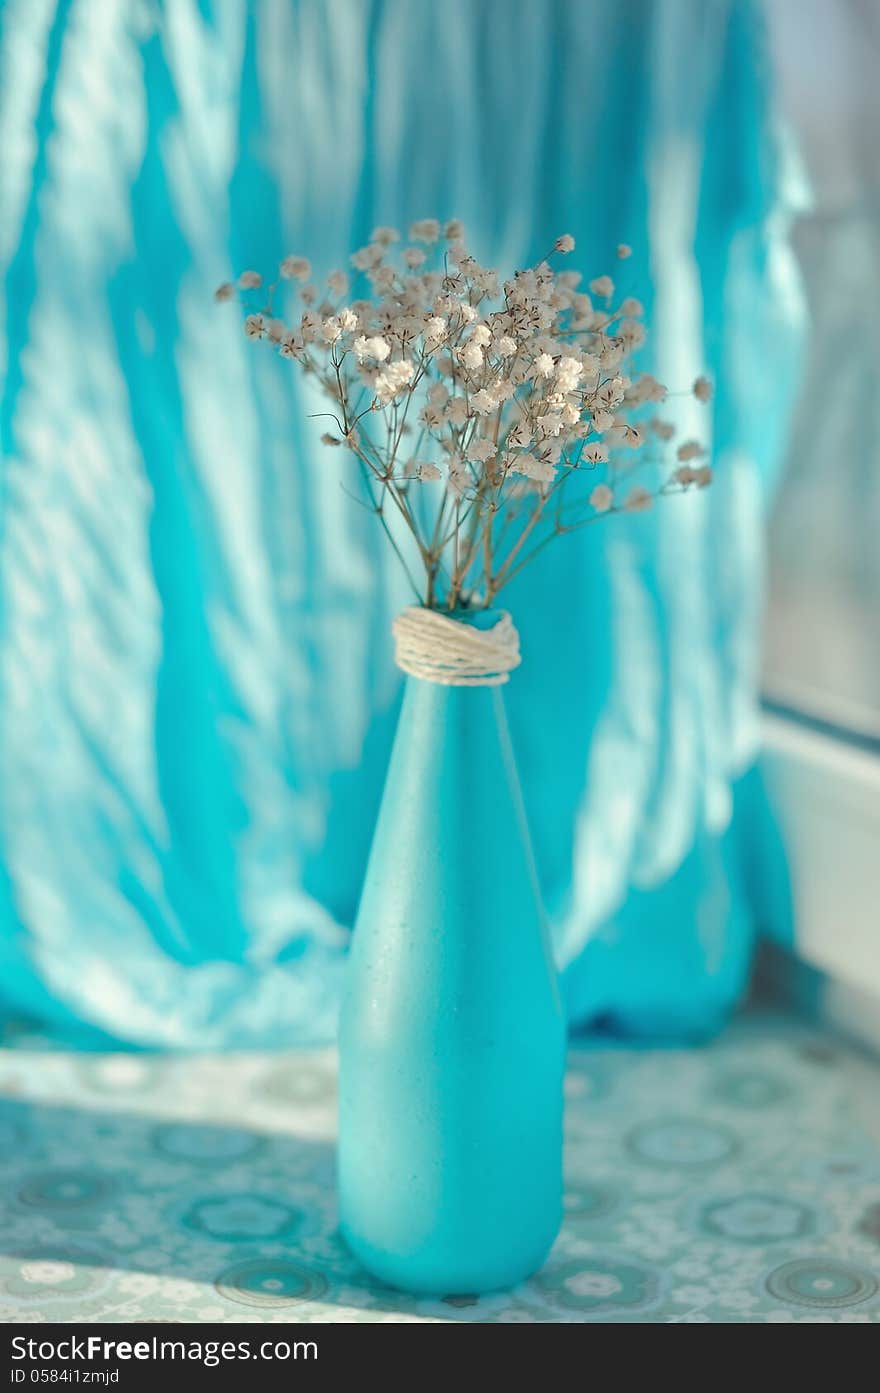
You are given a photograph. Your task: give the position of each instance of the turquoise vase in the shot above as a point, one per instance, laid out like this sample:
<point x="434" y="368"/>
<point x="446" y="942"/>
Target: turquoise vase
<point x="452" y="1040"/>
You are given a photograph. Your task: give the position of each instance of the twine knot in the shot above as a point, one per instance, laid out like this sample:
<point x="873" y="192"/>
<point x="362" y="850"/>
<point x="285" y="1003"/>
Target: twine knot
<point x="440" y="649"/>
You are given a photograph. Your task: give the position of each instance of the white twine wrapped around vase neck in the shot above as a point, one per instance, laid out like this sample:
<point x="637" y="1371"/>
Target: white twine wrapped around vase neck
<point x="438" y="648"/>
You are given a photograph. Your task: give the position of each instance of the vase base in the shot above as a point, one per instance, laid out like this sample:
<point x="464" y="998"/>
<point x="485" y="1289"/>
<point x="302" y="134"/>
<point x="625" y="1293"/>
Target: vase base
<point x="422" y="1275"/>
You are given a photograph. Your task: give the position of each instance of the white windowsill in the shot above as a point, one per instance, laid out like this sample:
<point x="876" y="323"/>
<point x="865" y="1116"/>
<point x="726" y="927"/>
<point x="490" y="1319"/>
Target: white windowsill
<point x="826" y="796"/>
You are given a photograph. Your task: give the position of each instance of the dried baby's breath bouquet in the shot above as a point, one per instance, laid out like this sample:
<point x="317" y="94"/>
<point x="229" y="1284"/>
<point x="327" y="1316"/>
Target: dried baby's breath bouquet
<point x="489" y="416"/>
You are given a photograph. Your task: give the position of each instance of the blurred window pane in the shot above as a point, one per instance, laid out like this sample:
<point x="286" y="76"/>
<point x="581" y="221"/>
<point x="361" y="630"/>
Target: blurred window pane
<point x="822" y="653"/>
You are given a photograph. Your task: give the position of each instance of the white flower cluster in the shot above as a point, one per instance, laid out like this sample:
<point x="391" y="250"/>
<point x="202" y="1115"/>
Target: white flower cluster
<point x="508" y="392"/>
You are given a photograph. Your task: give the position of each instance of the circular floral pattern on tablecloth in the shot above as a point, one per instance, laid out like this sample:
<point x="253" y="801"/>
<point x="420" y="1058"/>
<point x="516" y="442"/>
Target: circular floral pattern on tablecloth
<point x="684" y="1141"/>
<point x="821" y="1283"/>
<point x="232" y="1218"/>
<point x="751" y="1089"/>
<point x="207" y="1146"/>
<point x="756" y="1218"/>
<point x="65" y="1191"/>
<point x="600" y="1286"/>
<point x="269" y="1282"/>
<point x="51" y="1274"/>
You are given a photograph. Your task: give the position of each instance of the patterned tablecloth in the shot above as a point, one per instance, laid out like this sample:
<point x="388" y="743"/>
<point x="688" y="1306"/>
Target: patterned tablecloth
<point x="736" y="1182"/>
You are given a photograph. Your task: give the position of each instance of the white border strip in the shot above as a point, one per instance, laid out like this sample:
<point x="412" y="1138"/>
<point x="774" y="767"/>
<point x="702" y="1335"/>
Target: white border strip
<point x="826" y="796"/>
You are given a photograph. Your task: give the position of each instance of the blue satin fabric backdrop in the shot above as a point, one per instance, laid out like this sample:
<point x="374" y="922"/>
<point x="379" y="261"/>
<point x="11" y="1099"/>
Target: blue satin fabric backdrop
<point x="198" y="695"/>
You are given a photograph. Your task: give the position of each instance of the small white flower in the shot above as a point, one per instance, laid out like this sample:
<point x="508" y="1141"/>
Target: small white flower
<point x="376" y="348"/>
<point x="702" y="389"/>
<point x="623" y="251"/>
<point x="291" y="346"/>
<point x="471" y="356"/>
<point x="665" y="430"/>
<point x="381" y="278"/>
<point x="226" y="291"/>
<point x="468" y="313"/>
<point x="519" y="436"/>
<point x="414" y="257"/>
<point x="483" y="402"/>
<point x="540" y="470"/>
<point x="637" y="500"/>
<point x="366" y="257"/>
<point x="544" y="365"/>
<point x="550" y="424"/>
<point x="611" y="393"/>
<point x="435" y="329"/>
<point x="603" y="286"/>
<point x="295" y="268"/>
<point x="480" y="334"/>
<point x="328" y="439"/>
<point x="255" y="326"/>
<point x="456" y="412"/>
<point x="331" y="329"/>
<point x="337" y="282"/>
<point x="691" y="449"/>
<point x="385" y="236"/>
<point x="647" y="388"/>
<point x="348" y="321"/>
<point x="481" y="450"/>
<point x="601" y="498"/>
<point x="505" y="347"/>
<point x="633" y="333"/>
<point x="602" y="421"/>
<point x="454" y="230"/>
<point x="437" y="394"/>
<point x="611" y="355"/>
<point x="425" y="230"/>
<point x="568" y="374"/>
<point x="250" y="280"/>
<point x="632" y="308"/>
<point x="564" y="244"/>
<point x="486" y="280"/>
<point x="596" y="454"/>
<point x="392" y="381"/>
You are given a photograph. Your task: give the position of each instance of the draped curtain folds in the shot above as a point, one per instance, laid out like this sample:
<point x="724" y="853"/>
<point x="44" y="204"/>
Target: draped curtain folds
<point x="197" y="688"/>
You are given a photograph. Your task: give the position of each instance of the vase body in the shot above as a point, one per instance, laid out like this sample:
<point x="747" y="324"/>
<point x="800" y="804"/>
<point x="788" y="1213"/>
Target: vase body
<point x="452" y="1041"/>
